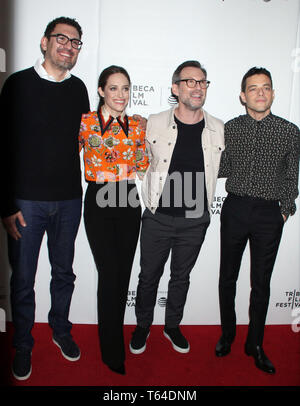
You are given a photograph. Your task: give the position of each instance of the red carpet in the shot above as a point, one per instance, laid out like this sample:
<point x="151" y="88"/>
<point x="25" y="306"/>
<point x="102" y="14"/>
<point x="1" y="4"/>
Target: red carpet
<point x="159" y="365"/>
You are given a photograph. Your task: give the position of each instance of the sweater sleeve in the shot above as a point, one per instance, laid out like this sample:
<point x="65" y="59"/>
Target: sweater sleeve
<point x="85" y="110"/>
<point x="7" y="205"/>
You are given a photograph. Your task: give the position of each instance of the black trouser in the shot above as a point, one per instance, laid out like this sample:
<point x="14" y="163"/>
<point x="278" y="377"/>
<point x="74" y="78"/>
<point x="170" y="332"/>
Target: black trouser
<point x="112" y="234"/>
<point x="260" y="222"/>
<point x="160" y="235"/>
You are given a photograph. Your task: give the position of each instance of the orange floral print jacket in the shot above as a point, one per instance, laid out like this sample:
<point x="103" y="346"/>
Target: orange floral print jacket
<point x="114" y="148"/>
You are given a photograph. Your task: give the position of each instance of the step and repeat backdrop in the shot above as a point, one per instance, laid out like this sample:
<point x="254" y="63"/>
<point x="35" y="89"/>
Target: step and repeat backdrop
<point x="150" y="39"/>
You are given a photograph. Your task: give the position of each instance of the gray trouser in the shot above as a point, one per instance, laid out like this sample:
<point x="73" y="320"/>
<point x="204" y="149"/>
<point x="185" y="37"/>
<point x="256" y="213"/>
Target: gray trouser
<point x="161" y="234"/>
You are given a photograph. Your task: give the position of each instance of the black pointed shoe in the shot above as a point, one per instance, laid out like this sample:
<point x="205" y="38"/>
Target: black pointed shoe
<point x="223" y="347"/>
<point x="261" y="360"/>
<point x="118" y="370"/>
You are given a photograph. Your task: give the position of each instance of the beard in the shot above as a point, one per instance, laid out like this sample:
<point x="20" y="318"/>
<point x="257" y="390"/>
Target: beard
<point x="65" y="63"/>
<point x="191" y="106"/>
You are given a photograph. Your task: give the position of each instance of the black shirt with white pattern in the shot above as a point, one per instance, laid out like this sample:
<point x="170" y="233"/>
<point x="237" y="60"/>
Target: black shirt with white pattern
<point x="261" y="159"/>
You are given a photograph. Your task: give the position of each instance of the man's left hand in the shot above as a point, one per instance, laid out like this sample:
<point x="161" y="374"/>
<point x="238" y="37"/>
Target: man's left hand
<point x="142" y="121"/>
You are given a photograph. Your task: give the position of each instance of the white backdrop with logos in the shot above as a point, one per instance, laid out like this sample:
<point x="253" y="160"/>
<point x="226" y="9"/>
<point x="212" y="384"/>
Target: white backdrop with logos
<point x="150" y="39"/>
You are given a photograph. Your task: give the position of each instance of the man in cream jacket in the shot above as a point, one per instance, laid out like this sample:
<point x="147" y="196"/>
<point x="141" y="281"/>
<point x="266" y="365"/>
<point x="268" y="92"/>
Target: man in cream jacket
<point x="184" y="145"/>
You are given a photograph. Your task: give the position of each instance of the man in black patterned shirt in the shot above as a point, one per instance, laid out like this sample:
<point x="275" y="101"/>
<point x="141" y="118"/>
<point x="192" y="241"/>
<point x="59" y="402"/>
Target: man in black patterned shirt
<point x="261" y="164"/>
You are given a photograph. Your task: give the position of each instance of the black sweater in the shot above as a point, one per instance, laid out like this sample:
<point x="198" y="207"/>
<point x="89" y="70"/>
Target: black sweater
<point x="40" y="155"/>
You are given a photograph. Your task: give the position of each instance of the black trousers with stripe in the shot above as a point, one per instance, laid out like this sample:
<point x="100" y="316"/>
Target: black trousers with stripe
<point x="259" y="222"/>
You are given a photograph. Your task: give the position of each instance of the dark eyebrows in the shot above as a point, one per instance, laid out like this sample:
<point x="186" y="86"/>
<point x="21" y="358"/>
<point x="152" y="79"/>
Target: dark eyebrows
<point x="264" y="85"/>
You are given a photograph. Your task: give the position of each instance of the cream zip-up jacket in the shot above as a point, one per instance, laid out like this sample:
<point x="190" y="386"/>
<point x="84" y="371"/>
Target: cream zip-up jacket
<point x="161" y="137"/>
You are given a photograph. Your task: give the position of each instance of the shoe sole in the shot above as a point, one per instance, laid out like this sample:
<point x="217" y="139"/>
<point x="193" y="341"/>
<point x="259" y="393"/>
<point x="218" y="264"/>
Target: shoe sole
<point x="22" y="378"/>
<point x="220" y="353"/>
<point x="64" y="355"/>
<point x="176" y="348"/>
<point x="140" y="350"/>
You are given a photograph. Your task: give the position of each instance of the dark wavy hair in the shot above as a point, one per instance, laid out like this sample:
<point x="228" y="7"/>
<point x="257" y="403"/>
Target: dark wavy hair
<point x="105" y="74"/>
<point x="255" y="71"/>
<point x="62" y="20"/>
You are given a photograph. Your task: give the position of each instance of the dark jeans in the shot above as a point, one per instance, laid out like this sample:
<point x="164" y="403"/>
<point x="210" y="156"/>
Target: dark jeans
<point x="160" y="235"/>
<point x="112" y="234"/>
<point x="260" y="222"/>
<point x="60" y="220"/>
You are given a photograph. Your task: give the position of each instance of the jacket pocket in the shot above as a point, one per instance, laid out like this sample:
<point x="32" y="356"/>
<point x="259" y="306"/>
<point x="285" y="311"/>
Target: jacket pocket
<point x="218" y="149"/>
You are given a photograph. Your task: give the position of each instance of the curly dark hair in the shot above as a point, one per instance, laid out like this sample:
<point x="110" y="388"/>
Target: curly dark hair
<point x="255" y="71"/>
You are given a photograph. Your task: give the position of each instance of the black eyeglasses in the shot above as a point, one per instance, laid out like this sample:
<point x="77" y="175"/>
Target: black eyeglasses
<point x="192" y="83"/>
<point x="63" y="40"/>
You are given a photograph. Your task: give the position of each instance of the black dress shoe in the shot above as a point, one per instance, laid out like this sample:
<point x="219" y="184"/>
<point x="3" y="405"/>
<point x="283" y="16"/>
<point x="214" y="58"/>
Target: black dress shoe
<point x="119" y="370"/>
<point x="261" y="360"/>
<point x="223" y="347"/>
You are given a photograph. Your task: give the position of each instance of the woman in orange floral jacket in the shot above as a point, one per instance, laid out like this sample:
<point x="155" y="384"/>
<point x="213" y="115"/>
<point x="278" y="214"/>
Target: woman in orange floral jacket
<point x="114" y="152"/>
